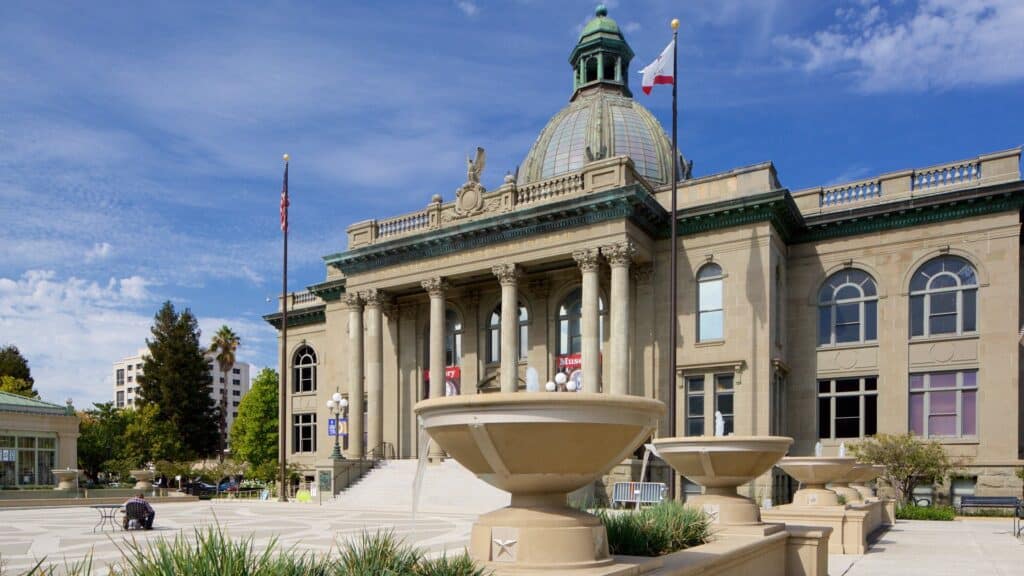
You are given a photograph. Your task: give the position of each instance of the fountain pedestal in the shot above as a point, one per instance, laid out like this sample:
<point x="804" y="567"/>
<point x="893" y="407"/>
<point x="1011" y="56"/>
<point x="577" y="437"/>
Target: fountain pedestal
<point x="539" y="447"/>
<point x="814" y="473"/>
<point x="863" y="473"/>
<point x="143" y="479"/>
<point x="66" y="479"/>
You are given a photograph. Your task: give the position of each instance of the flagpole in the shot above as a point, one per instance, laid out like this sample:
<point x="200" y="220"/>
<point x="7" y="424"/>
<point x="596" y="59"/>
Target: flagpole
<point x="282" y="415"/>
<point x="673" y="314"/>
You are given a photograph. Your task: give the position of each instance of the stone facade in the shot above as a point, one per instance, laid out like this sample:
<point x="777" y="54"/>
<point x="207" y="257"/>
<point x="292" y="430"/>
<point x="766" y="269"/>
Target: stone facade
<point x="578" y="264"/>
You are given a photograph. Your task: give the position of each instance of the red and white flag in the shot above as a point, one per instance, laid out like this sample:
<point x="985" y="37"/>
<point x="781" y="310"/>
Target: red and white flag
<point x="660" y="71"/>
<point x="284" y="201"/>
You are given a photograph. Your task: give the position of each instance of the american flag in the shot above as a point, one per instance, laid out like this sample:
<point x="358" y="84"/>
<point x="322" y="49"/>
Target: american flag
<point x="284" y="200"/>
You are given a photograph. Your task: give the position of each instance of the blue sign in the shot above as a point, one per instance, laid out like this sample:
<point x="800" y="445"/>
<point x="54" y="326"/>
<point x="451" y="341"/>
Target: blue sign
<point x="333" y="426"/>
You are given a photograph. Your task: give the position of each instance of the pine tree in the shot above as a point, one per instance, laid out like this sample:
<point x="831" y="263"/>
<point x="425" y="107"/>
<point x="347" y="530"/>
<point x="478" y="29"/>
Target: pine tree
<point x="176" y="378"/>
<point x="13" y="364"/>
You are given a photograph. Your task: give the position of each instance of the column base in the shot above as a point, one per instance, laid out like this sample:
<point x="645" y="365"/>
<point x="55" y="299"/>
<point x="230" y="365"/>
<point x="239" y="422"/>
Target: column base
<point x="726" y="509"/>
<point x="815" y="497"/>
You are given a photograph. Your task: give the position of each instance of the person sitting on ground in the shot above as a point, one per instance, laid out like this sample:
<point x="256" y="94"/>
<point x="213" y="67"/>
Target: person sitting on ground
<point x="136" y="508"/>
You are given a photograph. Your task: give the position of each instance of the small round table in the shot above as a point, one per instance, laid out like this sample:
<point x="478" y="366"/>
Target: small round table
<point x="108" y="515"/>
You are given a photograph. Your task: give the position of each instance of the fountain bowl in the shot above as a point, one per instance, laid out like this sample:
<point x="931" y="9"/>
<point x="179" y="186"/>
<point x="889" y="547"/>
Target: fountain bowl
<point x="863" y="473"/>
<point x="66" y="478"/>
<point x="143" y="479"/>
<point x="539" y="446"/>
<point x="721" y="464"/>
<point x="813" y="472"/>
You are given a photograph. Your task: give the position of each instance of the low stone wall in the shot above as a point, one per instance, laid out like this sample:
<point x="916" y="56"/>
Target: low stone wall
<point x="83" y="502"/>
<point x="852" y="524"/>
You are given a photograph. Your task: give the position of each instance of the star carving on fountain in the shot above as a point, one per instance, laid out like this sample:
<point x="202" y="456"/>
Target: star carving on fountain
<point x="504" y="547"/>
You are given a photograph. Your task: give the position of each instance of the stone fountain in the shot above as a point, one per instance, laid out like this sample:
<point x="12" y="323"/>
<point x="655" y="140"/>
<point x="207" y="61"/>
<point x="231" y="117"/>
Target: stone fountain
<point x="813" y="473"/>
<point x="143" y="479"/>
<point x="721" y="464"/>
<point x="539" y="447"/>
<point x="861" y="475"/>
<point x="66" y="478"/>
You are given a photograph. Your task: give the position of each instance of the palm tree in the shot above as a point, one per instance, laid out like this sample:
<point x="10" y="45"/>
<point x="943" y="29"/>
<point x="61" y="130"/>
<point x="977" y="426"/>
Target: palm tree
<point x="224" y="345"/>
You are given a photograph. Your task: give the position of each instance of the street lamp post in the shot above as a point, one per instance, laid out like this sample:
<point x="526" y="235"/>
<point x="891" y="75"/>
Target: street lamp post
<point x="337" y="406"/>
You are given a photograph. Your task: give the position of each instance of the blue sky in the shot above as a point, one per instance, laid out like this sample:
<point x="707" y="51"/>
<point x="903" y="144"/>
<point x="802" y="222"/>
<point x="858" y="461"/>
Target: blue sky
<point x="142" y="144"/>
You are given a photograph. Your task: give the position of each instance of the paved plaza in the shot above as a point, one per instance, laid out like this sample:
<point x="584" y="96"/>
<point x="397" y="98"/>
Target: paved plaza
<point x="958" y="548"/>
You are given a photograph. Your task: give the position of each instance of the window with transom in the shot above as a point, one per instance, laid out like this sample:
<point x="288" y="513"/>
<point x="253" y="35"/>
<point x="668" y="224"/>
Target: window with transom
<point x="944" y="298"/>
<point x="304" y="370"/>
<point x="570" y="333"/>
<point x="848" y="308"/>
<point x="494" y="334"/>
<point x="710" y="309"/>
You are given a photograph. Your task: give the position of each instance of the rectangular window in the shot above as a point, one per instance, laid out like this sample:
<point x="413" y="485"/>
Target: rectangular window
<point x="711" y="319"/>
<point x="129" y="378"/>
<point x="695" y="405"/>
<point x="221" y="379"/>
<point x="724" y="399"/>
<point x="236" y="392"/>
<point x="120" y="398"/>
<point x="236" y="382"/>
<point x="304" y="432"/>
<point x="120" y="376"/>
<point x="848" y="407"/>
<point x="234" y="414"/>
<point x="944" y="404"/>
<point x="235" y="403"/>
<point x="236" y="371"/>
<point x="138" y="366"/>
<point x="129" y="367"/>
<point x="130" y="401"/>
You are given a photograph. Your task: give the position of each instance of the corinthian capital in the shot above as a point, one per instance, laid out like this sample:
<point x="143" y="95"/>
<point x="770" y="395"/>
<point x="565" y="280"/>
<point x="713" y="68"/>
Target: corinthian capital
<point x="620" y="254"/>
<point x="374" y="298"/>
<point x="435" y="286"/>
<point x="353" y="300"/>
<point x="587" y="259"/>
<point x="508" y="274"/>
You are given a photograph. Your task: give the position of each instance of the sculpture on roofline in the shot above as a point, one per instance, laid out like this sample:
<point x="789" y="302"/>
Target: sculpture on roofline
<point x="475" y="167"/>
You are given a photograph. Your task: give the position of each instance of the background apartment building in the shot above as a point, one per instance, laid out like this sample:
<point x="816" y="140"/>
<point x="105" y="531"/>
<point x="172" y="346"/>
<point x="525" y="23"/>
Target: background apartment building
<point x="127" y="372"/>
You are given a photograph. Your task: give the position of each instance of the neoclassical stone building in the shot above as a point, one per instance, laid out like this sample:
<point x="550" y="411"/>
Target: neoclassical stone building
<point x="889" y="304"/>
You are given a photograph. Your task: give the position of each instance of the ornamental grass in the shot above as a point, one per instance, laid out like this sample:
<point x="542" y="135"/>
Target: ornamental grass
<point x="656" y="530"/>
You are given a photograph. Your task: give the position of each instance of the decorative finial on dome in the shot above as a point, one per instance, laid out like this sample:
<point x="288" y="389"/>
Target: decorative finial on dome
<point x="601" y="11"/>
<point x="436" y="199"/>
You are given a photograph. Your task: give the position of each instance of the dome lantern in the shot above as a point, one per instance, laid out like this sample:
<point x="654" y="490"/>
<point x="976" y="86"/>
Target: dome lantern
<point x="602" y="56"/>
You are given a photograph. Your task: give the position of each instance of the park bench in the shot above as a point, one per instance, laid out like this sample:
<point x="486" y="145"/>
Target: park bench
<point x="637" y="493"/>
<point x="1011" y="502"/>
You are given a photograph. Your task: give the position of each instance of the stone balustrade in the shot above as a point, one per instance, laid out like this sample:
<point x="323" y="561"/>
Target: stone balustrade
<point x="301" y="299"/>
<point x="567" y="185"/>
<point x="404" y="224"/>
<point x="984" y="170"/>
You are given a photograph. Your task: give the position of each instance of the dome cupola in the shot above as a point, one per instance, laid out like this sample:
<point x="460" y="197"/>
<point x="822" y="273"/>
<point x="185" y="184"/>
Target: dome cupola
<point x="602" y="119"/>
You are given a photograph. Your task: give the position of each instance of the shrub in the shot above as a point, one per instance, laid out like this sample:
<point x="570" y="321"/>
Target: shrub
<point x="909" y="461"/>
<point x="943" y="513"/>
<point x="654" y="531"/>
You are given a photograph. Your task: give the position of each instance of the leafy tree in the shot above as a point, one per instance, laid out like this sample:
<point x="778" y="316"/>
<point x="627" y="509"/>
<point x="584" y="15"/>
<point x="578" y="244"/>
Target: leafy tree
<point x="18" y="386"/>
<point x="100" y="431"/>
<point x="254" y="434"/>
<point x="12" y="363"/>
<point x="176" y="379"/>
<point x="909" y="461"/>
<point x="149" y="438"/>
<point x="224" y="345"/>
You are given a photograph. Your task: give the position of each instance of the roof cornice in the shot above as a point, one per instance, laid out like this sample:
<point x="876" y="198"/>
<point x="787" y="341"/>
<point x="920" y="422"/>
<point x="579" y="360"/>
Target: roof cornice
<point x="300" y="317"/>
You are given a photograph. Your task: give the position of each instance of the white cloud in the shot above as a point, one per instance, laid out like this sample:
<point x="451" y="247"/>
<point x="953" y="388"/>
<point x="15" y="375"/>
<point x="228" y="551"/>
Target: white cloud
<point x="468" y="8"/>
<point x="937" y="44"/>
<point x="631" y="27"/>
<point x="72" y="330"/>
<point x="99" y="251"/>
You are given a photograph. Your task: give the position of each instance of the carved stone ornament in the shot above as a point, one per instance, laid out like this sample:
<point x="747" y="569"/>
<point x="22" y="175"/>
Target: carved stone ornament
<point x="508" y="274"/>
<point x="353" y="300"/>
<point x="643" y="273"/>
<point x="435" y="286"/>
<point x="620" y="254"/>
<point x="374" y="298"/>
<point x="588" y="259"/>
<point x="540" y="288"/>
<point x="469" y="198"/>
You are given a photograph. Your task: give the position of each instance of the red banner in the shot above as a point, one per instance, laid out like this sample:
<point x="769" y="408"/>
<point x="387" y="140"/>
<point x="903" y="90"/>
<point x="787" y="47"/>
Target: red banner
<point x="452" y="381"/>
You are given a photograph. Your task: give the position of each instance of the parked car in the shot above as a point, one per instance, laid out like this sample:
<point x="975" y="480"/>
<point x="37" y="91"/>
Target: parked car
<point x="198" y="488"/>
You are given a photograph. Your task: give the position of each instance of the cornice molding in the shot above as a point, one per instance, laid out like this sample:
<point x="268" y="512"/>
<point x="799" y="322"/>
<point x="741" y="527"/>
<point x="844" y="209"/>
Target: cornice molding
<point x="300" y="317"/>
<point x="328" y="291"/>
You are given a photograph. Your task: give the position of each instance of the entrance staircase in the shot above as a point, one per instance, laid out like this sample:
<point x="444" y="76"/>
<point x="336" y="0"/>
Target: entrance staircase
<point x="447" y="487"/>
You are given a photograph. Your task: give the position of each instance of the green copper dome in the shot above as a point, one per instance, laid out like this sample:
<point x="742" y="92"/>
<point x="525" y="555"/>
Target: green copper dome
<point x="600" y="23"/>
<point x="602" y="119"/>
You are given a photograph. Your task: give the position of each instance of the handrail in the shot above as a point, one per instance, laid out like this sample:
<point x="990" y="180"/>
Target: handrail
<point x="382" y="451"/>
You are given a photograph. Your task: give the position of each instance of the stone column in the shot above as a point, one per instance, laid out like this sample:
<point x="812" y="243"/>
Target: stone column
<point x="436" y="288"/>
<point x="589" y="261"/>
<point x="355" y="375"/>
<point x="620" y="257"/>
<point x="374" y="354"/>
<point x="508" y="277"/>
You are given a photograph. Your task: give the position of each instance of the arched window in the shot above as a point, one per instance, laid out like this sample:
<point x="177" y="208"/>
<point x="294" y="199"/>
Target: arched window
<point x="494" y="334"/>
<point x="570" y="332"/>
<point x="847" y="308"/>
<point x="304" y="370"/>
<point x="944" y="297"/>
<point x="710" y="312"/>
<point x="452" y="338"/>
